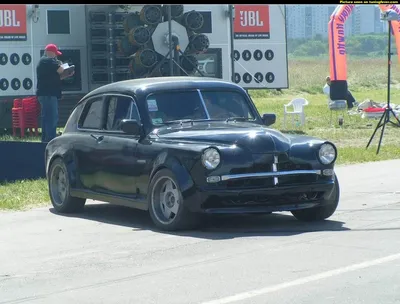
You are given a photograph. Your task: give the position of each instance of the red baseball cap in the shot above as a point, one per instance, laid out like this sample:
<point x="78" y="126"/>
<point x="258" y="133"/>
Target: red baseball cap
<point x="53" y="48"/>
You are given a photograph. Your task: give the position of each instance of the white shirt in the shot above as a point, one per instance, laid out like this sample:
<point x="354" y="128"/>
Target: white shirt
<point x="326" y="89"/>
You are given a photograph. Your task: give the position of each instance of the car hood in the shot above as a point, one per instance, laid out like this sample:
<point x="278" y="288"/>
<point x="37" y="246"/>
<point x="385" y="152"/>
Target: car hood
<point x="254" y="137"/>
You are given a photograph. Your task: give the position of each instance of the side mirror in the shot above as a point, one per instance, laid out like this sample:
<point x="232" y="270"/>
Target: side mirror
<point x="131" y="127"/>
<point x="269" y="119"/>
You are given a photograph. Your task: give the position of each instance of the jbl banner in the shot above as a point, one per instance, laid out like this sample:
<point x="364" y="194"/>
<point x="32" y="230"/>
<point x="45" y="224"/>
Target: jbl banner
<point x="13" y="22"/>
<point x="251" y="22"/>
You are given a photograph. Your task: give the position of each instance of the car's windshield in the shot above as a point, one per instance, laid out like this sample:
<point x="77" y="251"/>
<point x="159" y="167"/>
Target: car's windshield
<point x="198" y="105"/>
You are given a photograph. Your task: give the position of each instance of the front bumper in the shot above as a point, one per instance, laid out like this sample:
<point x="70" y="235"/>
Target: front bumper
<point x="275" y="197"/>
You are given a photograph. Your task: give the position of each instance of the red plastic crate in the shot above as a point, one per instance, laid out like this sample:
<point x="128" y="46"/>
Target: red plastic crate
<point x="18" y="121"/>
<point x="17" y="103"/>
<point x="25" y="115"/>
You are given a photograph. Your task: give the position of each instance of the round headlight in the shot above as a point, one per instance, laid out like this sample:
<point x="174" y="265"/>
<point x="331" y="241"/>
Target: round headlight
<point x="327" y="154"/>
<point x="211" y="158"/>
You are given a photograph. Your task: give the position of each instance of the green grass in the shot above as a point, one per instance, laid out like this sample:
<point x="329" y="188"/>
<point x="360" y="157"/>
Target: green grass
<point x="16" y="138"/>
<point x="24" y="194"/>
<point x="351" y="138"/>
<point x="367" y="80"/>
<point x="28" y="136"/>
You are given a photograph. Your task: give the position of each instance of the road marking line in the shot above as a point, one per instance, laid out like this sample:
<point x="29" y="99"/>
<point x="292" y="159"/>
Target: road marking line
<point x="305" y="280"/>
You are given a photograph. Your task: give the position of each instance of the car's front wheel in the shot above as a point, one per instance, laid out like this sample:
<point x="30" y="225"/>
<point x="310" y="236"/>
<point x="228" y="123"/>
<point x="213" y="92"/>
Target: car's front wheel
<point x="166" y="204"/>
<point x="322" y="212"/>
<point x="59" y="189"/>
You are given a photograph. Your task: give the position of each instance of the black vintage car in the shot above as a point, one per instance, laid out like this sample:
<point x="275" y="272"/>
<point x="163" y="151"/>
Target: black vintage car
<point x="180" y="147"/>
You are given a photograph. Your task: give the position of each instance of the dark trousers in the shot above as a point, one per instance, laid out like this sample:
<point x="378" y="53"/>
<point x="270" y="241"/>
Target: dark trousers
<point x="49" y="117"/>
<point x="350" y="100"/>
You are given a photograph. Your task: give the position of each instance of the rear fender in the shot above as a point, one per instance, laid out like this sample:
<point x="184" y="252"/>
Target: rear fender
<point x="70" y="162"/>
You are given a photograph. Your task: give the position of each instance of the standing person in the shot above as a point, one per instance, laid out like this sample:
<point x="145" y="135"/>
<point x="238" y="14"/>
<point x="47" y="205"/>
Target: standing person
<point x="49" y="75"/>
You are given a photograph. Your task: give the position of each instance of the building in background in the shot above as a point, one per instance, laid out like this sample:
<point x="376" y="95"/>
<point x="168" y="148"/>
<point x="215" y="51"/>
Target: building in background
<point x="309" y="21"/>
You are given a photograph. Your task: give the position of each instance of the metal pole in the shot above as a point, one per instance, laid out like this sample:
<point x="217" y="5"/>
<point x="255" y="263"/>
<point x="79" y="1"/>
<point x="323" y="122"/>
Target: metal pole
<point x="171" y="54"/>
<point x="389" y="62"/>
<point x="231" y="20"/>
<point x="177" y="71"/>
<point x="111" y="46"/>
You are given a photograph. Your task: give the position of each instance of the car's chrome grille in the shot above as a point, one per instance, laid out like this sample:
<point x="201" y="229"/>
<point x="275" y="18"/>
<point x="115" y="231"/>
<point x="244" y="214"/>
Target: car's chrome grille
<point x="271" y="163"/>
<point x="284" y="164"/>
<point x="261" y="163"/>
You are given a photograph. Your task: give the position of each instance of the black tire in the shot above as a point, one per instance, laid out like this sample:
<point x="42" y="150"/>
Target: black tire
<point x="323" y="212"/>
<point x="62" y="203"/>
<point x="183" y="219"/>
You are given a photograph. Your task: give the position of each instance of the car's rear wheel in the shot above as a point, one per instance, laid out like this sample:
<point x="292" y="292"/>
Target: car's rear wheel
<point x="166" y="204"/>
<point x="322" y="212"/>
<point x="59" y="189"/>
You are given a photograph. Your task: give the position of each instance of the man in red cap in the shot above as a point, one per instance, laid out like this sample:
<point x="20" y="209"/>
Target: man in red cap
<point x="49" y="75"/>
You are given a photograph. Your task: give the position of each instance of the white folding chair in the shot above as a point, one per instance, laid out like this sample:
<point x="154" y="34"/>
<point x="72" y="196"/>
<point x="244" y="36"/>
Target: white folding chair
<point x="298" y="110"/>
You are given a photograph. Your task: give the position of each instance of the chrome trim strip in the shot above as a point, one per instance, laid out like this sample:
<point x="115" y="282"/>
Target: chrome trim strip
<point x="275" y="169"/>
<point x="269" y="174"/>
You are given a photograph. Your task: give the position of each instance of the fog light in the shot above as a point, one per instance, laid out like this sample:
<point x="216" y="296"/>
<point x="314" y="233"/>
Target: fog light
<point x="327" y="172"/>
<point x="213" y="179"/>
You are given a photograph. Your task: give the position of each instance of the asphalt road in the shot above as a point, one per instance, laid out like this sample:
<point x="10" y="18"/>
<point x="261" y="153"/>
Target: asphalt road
<point x="111" y="254"/>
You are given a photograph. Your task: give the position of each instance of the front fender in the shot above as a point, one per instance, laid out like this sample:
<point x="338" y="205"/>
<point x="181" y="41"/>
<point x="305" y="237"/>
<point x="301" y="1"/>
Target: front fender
<point x="183" y="177"/>
<point x="307" y="152"/>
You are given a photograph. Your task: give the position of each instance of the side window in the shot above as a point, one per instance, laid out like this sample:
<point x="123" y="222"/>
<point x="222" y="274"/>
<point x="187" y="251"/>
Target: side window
<point x="73" y="119"/>
<point x="119" y="108"/>
<point x="93" y="116"/>
<point x="135" y="112"/>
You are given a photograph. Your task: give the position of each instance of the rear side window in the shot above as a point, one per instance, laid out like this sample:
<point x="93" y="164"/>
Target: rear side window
<point x="73" y="119"/>
<point x="92" y="114"/>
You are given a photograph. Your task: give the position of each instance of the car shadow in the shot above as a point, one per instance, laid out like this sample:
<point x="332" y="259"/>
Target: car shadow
<point x="212" y="226"/>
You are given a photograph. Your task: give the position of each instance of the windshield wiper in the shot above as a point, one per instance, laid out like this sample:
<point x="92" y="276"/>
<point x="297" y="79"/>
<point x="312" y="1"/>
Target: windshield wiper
<point x="239" y="118"/>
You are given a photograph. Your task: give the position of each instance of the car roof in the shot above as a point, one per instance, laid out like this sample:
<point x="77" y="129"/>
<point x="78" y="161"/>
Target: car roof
<point x="148" y="85"/>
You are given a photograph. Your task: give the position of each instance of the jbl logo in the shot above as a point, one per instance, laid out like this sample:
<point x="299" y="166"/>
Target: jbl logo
<point x="8" y="18"/>
<point x="251" y="21"/>
<point x="250" y="18"/>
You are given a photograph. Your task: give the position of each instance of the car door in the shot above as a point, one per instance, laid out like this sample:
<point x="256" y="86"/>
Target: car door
<point x="119" y="149"/>
<point x="87" y="145"/>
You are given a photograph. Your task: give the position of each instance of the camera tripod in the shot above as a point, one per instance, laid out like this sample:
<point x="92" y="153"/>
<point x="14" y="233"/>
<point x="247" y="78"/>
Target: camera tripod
<point x="385" y="118"/>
